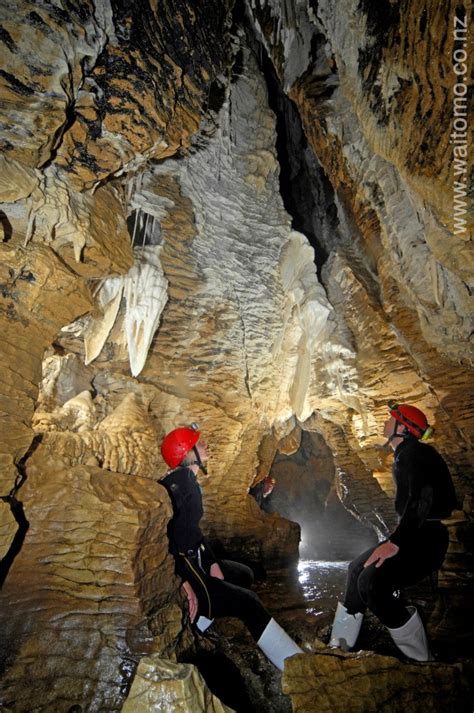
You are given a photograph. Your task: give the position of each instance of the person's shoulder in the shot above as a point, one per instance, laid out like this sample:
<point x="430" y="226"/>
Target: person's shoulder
<point x="405" y="447"/>
<point x="411" y="448"/>
<point x="427" y="449"/>
<point x="176" y="478"/>
<point x="422" y="452"/>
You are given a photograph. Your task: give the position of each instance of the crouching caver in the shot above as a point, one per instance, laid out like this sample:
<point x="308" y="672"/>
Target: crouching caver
<point x="212" y="588"/>
<point x="424" y="495"/>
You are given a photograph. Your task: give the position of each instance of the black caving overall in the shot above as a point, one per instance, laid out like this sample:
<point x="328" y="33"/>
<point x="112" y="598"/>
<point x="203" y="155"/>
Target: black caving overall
<point x="194" y="557"/>
<point x="424" y="496"/>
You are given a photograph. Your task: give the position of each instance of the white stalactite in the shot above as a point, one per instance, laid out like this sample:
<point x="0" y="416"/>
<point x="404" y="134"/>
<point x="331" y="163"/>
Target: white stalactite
<point x="146" y="293"/>
<point x="109" y="296"/>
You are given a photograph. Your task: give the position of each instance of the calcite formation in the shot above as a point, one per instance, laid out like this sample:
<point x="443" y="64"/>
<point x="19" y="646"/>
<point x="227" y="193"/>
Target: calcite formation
<point x="93" y="565"/>
<point x="144" y="290"/>
<point x="162" y="685"/>
<point x="124" y="441"/>
<point x="337" y="682"/>
<point x="388" y="235"/>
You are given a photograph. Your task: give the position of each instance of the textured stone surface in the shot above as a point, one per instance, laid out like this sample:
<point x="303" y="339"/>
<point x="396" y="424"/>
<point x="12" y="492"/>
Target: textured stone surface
<point x="109" y="86"/>
<point x="337" y="682"/>
<point x="144" y="292"/>
<point x="74" y="607"/>
<point x="162" y="685"/>
<point x="237" y="357"/>
<point x="124" y="441"/>
<point x="259" y="318"/>
<point x="38" y="295"/>
<point x="395" y="272"/>
<point x="8" y="528"/>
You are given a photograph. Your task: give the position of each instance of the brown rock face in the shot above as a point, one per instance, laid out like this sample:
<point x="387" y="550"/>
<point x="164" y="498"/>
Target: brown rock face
<point x="38" y="295"/>
<point x="373" y="106"/>
<point x="365" y="682"/>
<point x="74" y="607"/>
<point x="106" y="85"/>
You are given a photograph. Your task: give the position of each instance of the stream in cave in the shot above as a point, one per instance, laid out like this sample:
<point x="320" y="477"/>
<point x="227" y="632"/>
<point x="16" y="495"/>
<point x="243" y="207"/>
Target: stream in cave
<point x="302" y="598"/>
<point x="322" y="582"/>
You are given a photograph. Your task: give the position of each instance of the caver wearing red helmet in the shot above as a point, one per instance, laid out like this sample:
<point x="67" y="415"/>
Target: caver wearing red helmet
<point x="413" y="420"/>
<point x="213" y="588"/>
<point x="424" y="496"/>
<point x="177" y="444"/>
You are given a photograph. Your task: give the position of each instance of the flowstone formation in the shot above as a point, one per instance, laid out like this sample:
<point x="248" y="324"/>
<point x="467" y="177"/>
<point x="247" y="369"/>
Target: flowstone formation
<point x="362" y="682"/>
<point x="229" y="213"/>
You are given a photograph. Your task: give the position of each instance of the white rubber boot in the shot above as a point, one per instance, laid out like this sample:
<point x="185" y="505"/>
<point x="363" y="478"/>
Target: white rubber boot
<point x="277" y="645"/>
<point x="203" y="623"/>
<point x="411" y="638"/>
<point x="345" y="628"/>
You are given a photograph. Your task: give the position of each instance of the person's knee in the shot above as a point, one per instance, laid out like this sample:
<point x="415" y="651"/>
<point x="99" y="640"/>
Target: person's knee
<point x="375" y="590"/>
<point x="354" y="570"/>
<point x="237" y="573"/>
<point x="247" y="575"/>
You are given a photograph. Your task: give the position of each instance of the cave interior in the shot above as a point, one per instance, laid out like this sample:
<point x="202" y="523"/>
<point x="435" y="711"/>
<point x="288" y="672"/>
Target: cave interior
<point x="238" y="213"/>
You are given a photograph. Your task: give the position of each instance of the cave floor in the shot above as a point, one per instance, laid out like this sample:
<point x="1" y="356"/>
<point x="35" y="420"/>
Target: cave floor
<point x="302" y="599"/>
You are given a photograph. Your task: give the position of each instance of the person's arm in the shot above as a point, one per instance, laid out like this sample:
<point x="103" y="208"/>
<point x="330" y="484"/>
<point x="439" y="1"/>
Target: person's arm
<point x="417" y="507"/>
<point x="209" y="560"/>
<point x="178" y="529"/>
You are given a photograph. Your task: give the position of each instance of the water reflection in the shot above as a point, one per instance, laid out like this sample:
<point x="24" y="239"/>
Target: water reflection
<point x="322" y="582"/>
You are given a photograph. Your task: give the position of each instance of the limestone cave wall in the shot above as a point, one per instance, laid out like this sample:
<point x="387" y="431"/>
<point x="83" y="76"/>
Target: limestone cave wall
<point x="230" y="213"/>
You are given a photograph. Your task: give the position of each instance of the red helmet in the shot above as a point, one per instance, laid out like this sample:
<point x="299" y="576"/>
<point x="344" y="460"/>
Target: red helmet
<point x="177" y="443"/>
<point x="411" y="417"/>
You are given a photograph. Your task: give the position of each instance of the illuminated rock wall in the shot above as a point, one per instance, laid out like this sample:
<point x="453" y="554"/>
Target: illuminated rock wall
<point x="378" y="112"/>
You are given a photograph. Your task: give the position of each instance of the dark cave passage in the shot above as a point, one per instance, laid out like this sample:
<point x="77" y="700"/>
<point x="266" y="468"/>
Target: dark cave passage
<point x="307" y="193"/>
